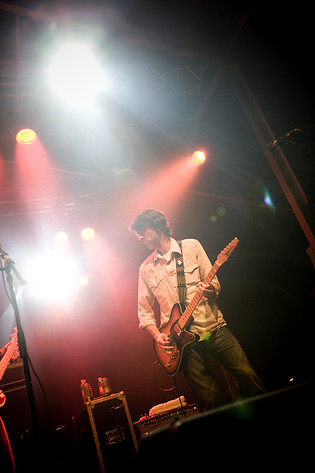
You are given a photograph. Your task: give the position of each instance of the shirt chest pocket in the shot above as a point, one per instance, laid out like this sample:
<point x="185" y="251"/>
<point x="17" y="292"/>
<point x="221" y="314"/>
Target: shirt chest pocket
<point x="155" y="282"/>
<point x="192" y="274"/>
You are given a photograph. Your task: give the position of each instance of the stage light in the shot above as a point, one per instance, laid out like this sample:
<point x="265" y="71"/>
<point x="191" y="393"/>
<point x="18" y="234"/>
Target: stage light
<point x="75" y="75"/>
<point x="199" y="157"/>
<point x="26" y="136"/>
<point x="61" y="238"/>
<point x="53" y="277"/>
<point x="87" y="233"/>
<point x="83" y="280"/>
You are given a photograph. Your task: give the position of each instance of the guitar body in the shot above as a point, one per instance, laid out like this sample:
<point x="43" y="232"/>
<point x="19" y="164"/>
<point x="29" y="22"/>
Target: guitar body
<point x="2" y="398"/>
<point x="11" y="348"/>
<point x="179" y="337"/>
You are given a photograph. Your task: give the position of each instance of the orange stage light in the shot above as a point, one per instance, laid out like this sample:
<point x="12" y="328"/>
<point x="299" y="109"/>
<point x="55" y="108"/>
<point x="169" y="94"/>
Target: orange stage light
<point x="199" y="157"/>
<point x="26" y="136"/>
<point x="33" y="171"/>
<point x="87" y="233"/>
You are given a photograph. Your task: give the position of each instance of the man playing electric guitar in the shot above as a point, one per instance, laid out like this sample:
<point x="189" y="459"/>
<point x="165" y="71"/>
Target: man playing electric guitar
<point x="207" y="331"/>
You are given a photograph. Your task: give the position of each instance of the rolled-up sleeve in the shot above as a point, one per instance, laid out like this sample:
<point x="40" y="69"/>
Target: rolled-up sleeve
<point x="146" y="301"/>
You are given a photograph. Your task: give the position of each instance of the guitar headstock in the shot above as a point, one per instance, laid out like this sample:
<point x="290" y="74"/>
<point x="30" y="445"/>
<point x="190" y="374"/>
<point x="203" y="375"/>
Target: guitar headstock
<point x="226" y="252"/>
<point x="14" y="344"/>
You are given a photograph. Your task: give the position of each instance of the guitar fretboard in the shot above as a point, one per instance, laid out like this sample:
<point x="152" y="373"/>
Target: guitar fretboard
<point x="8" y="355"/>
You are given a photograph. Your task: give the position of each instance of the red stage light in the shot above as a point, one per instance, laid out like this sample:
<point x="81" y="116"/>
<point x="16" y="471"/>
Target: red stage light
<point x="26" y="136"/>
<point x="199" y="157"/>
<point x="87" y="233"/>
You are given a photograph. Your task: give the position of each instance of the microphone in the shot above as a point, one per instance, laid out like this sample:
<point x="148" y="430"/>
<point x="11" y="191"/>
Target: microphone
<point x="283" y="138"/>
<point x="10" y="262"/>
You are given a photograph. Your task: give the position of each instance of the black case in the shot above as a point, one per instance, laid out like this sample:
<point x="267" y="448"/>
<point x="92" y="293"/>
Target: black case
<point x="105" y="435"/>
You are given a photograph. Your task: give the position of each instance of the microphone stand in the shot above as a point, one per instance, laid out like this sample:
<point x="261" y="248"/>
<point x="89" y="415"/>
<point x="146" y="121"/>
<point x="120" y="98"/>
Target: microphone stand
<point x="9" y="265"/>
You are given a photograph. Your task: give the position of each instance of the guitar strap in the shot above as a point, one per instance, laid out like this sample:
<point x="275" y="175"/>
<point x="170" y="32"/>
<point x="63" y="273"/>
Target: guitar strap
<point x="181" y="281"/>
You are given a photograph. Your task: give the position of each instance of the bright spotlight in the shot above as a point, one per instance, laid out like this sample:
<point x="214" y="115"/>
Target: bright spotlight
<point x="53" y="277"/>
<point x="75" y="75"/>
<point x="87" y="233"/>
<point x="26" y="136"/>
<point x="83" y="280"/>
<point x="199" y="157"/>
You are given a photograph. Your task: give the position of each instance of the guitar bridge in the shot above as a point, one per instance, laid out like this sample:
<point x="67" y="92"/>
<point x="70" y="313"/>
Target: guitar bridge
<point x="172" y="358"/>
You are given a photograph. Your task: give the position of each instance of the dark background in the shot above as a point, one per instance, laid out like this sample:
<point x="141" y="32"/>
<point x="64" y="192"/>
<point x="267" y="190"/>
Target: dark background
<point x="163" y="58"/>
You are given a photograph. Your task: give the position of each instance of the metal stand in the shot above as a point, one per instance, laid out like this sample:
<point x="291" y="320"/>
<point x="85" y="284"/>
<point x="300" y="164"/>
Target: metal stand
<point x="275" y="156"/>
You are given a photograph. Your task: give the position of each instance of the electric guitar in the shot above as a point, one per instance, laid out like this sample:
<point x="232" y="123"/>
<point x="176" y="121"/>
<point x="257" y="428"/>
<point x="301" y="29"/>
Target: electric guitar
<point x="175" y="328"/>
<point x="12" y="347"/>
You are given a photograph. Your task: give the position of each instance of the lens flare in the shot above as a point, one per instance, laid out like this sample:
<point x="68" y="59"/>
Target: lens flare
<point x="268" y="199"/>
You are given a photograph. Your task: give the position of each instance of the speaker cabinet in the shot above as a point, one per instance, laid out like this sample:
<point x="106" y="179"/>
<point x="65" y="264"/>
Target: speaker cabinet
<point x="15" y="413"/>
<point x="105" y="435"/>
<point x="273" y="431"/>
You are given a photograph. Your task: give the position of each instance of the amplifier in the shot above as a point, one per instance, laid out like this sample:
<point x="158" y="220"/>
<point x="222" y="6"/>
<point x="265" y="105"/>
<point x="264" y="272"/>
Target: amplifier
<point x="105" y="435"/>
<point x="16" y="413"/>
<point x="147" y="424"/>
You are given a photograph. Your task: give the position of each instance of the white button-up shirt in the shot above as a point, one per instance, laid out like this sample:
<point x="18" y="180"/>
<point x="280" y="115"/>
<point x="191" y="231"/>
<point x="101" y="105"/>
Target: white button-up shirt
<point x="158" y="282"/>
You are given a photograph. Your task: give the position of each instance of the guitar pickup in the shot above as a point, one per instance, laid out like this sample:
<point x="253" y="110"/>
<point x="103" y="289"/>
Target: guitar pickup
<point x="177" y="330"/>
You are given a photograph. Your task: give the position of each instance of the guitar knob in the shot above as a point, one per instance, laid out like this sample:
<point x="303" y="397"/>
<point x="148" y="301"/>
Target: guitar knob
<point x="2" y="398"/>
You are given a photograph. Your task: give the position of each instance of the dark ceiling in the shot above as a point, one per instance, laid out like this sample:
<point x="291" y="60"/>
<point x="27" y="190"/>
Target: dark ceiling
<point x="173" y="96"/>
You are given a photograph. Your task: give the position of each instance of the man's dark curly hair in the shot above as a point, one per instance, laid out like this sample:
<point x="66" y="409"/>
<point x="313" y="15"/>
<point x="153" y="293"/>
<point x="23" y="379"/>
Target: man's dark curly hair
<point x="153" y="219"/>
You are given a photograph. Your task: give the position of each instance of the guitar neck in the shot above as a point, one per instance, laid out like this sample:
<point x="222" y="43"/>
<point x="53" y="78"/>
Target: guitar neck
<point x="222" y="257"/>
<point x="5" y="360"/>
<point x="184" y="319"/>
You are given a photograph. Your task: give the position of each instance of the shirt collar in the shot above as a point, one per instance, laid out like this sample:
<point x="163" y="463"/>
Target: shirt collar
<point x="168" y="256"/>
